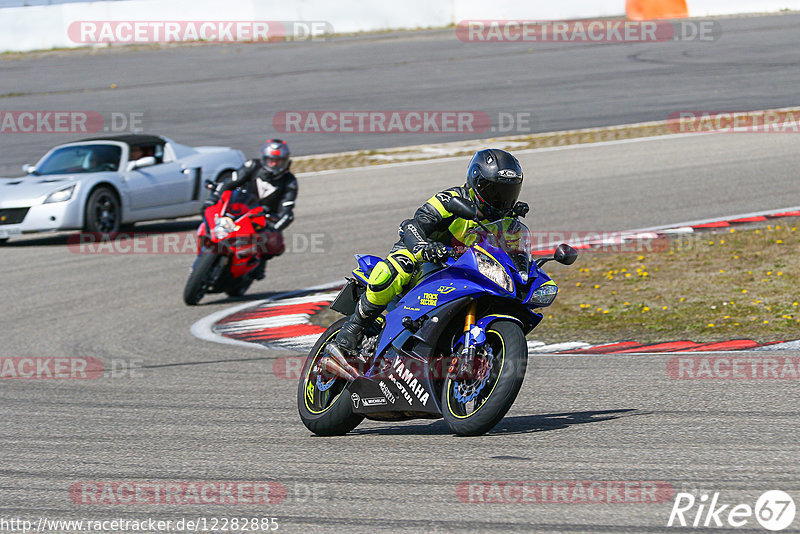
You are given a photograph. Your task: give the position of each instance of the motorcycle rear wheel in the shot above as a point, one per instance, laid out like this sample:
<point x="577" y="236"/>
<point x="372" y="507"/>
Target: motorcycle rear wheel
<point x="325" y="412"/>
<point x="497" y="393"/>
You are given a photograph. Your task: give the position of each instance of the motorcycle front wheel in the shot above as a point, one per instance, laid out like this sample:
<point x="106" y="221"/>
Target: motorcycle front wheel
<point x="200" y="278"/>
<point x="473" y="407"/>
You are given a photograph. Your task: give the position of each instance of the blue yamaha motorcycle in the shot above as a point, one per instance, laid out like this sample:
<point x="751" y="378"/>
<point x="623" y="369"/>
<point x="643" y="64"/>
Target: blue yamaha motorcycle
<point x="453" y="346"/>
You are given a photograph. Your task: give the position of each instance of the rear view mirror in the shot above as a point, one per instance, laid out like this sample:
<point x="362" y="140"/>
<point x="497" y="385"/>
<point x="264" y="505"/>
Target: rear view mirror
<point x="565" y="254"/>
<point x="28" y="168"/>
<point x="142" y="162"/>
<point x="462" y="208"/>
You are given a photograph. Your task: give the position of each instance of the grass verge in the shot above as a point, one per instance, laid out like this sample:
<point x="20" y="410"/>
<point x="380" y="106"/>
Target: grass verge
<point x="708" y="286"/>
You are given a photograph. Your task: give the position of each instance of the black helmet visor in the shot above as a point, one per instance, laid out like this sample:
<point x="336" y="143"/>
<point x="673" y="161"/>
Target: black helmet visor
<point x="500" y="195"/>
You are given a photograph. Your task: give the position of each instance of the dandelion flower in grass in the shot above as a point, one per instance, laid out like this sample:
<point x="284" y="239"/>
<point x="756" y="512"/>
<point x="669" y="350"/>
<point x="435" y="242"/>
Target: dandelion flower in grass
<point x="628" y="303"/>
<point x="780" y="273"/>
<point x="795" y="304"/>
<point x="722" y="270"/>
<point x="766" y="322"/>
<point x="779" y="241"/>
<point x="711" y="324"/>
<point x="578" y="284"/>
<point x="605" y="311"/>
<point x="640" y="258"/>
<point x="733" y="230"/>
<point x="683" y="298"/>
<point x="596" y="286"/>
<point x="721" y="241"/>
<point x="744" y="291"/>
<point x="645" y="309"/>
<point x="663" y="307"/>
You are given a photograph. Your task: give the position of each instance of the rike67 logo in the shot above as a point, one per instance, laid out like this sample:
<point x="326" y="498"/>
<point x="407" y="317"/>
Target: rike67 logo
<point x="774" y="510"/>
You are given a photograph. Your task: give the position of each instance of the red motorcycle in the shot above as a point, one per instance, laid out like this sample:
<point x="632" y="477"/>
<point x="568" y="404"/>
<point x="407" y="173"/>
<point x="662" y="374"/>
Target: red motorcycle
<point x="231" y="241"/>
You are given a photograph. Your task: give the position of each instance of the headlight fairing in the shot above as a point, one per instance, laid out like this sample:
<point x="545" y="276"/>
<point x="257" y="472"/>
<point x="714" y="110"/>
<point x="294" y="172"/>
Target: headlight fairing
<point x="495" y="272"/>
<point x="62" y="195"/>
<point x="544" y="295"/>
<point x="223" y="226"/>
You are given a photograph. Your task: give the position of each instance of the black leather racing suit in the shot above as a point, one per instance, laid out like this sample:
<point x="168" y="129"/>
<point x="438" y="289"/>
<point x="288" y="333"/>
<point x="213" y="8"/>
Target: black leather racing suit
<point x="276" y="193"/>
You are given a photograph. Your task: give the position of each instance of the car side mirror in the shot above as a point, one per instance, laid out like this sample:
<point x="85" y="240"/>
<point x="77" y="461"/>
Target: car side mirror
<point x="462" y="208"/>
<point x="565" y="254"/>
<point x="28" y="168"/>
<point x="142" y="162"/>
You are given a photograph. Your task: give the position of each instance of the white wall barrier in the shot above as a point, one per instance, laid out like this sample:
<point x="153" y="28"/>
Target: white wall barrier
<point x="45" y="27"/>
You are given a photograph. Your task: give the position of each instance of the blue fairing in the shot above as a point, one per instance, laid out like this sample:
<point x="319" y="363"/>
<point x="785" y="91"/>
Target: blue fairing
<point x="464" y="279"/>
<point x="367" y="262"/>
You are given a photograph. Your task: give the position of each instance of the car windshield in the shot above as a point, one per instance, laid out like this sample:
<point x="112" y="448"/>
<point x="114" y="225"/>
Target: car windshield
<point x="509" y="235"/>
<point x="80" y="159"/>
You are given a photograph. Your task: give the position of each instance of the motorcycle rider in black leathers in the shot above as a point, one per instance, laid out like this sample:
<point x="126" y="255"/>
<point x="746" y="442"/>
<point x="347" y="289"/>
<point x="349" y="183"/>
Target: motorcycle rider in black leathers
<point x="494" y="180"/>
<point x="270" y="180"/>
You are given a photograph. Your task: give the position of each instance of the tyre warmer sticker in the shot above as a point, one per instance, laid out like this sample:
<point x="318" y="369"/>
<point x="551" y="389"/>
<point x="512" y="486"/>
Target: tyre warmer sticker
<point x="284" y="322"/>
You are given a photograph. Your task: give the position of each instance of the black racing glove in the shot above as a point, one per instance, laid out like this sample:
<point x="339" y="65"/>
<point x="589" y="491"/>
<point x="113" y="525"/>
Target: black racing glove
<point x="433" y="252"/>
<point x="520" y="209"/>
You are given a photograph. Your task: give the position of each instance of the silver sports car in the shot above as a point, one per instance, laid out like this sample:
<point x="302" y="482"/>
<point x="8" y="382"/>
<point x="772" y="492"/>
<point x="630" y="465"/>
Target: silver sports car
<point x="100" y="184"/>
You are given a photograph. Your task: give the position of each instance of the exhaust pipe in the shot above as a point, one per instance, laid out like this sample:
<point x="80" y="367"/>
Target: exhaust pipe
<point x="329" y="365"/>
<point x="335" y="362"/>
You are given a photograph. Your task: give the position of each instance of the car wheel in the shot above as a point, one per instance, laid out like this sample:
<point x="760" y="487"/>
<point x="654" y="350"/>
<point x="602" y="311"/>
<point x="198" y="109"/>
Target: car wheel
<point x="103" y="213"/>
<point x="3" y="241"/>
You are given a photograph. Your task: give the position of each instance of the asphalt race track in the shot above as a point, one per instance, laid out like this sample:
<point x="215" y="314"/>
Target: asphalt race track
<point x="228" y="95"/>
<point x="198" y="411"/>
<point x="176" y="408"/>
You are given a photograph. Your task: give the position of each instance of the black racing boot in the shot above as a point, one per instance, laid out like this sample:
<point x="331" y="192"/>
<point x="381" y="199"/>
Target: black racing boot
<point x="258" y="272"/>
<point x="349" y="337"/>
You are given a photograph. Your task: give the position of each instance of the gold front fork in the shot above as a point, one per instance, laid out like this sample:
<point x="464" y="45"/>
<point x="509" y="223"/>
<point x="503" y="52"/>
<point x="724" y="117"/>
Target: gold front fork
<point x="471" y="311"/>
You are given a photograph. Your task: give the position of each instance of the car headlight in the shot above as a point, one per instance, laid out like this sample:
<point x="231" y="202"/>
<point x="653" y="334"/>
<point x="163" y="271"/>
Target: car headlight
<point x="545" y="295"/>
<point x="492" y="270"/>
<point x="61" y="195"/>
<point x="224" y="226"/>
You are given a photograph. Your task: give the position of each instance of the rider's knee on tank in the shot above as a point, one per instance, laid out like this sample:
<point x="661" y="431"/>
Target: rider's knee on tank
<point x="390" y="276"/>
